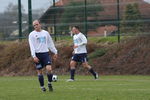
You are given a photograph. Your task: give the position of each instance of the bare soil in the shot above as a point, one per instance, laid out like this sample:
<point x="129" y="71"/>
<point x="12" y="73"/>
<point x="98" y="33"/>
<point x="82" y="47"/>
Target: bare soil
<point x="130" y="57"/>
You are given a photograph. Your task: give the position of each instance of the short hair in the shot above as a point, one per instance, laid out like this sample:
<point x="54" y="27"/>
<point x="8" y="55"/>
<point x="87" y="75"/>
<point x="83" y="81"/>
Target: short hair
<point x="77" y="27"/>
<point x="37" y="21"/>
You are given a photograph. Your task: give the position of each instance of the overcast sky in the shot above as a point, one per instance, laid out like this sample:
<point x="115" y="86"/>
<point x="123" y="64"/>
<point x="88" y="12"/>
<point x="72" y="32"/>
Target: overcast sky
<point x="147" y="1"/>
<point x="36" y="4"/>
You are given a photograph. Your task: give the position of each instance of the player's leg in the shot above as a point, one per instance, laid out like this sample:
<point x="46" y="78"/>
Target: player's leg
<point x="73" y="64"/>
<point x="39" y="68"/>
<point x="46" y="61"/>
<point x="84" y="60"/>
<point x="86" y="65"/>
<point x="49" y="76"/>
<point x="72" y="69"/>
<point x="41" y="79"/>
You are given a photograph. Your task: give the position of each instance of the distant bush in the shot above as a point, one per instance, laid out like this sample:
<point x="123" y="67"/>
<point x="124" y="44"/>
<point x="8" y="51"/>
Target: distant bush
<point x="98" y="53"/>
<point x="111" y="39"/>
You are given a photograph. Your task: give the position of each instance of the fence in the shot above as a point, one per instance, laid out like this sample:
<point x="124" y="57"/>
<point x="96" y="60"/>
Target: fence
<point x="95" y="18"/>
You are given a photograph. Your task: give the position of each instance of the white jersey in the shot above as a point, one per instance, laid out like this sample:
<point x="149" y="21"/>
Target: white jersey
<point x="80" y="41"/>
<point x="41" y="42"/>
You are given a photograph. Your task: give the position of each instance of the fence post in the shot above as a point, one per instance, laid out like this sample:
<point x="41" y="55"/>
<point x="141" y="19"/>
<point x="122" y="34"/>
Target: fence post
<point x="19" y="19"/>
<point x="85" y="17"/>
<point x="54" y="20"/>
<point x="118" y="20"/>
<point x="29" y="16"/>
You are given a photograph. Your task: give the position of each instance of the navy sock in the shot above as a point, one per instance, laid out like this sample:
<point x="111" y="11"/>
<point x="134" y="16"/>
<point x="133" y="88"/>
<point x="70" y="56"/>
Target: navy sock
<point x="92" y="71"/>
<point x="72" y="72"/>
<point x="41" y="80"/>
<point x="49" y="76"/>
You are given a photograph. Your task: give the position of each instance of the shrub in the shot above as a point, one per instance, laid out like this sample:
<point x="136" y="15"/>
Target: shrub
<point x="98" y="53"/>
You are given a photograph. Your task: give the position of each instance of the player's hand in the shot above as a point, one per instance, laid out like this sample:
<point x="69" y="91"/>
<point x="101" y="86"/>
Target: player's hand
<point x="55" y="56"/>
<point x="73" y="53"/>
<point x="36" y="60"/>
<point x="75" y="46"/>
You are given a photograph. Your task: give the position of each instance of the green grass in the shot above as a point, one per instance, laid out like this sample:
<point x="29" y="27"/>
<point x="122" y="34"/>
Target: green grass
<point x="111" y="39"/>
<point x="84" y="88"/>
<point x="97" y="53"/>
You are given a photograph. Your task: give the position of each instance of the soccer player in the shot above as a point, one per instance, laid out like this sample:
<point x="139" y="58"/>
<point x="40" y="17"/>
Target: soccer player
<point x="40" y="43"/>
<point x="79" y="53"/>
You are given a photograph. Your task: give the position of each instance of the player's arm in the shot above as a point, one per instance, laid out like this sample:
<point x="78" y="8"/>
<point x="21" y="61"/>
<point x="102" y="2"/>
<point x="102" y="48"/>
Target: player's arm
<point x="83" y="41"/>
<point x="32" y="49"/>
<point x="51" y="46"/>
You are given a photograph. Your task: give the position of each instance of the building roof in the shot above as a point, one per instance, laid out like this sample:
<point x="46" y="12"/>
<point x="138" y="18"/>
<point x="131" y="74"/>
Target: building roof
<point x="109" y="12"/>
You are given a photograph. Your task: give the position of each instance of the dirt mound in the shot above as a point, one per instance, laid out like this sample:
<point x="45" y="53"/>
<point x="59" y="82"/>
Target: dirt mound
<point x="15" y="59"/>
<point x="131" y="56"/>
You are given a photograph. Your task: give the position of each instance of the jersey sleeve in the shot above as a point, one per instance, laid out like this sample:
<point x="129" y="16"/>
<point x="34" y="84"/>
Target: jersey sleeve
<point x="31" y="44"/>
<point x="83" y="40"/>
<point x="50" y="44"/>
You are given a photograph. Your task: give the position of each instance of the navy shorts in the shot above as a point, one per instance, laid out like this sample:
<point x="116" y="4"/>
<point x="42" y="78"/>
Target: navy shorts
<point x="44" y="59"/>
<point x="80" y="57"/>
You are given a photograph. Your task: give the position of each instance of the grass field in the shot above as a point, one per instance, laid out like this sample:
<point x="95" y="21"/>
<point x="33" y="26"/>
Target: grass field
<point x="84" y="88"/>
